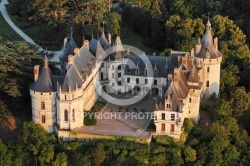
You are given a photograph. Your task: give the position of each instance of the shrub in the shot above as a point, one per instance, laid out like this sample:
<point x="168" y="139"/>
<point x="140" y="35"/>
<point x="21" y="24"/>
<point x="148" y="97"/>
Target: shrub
<point x="196" y="131"/>
<point x="188" y="124"/>
<point x="165" y="140"/>
<point x="194" y="143"/>
<point x="89" y="119"/>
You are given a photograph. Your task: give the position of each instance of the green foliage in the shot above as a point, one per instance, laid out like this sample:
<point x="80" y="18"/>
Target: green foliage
<point x="112" y="22"/>
<point x="189" y="154"/>
<point x="37" y="143"/>
<point x="188" y="125"/>
<point x="196" y="131"/>
<point x="89" y="118"/>
<point x="183" y="138"/>
<point x="240" y="101"/>
<point x="5" y="155"/>
<point x="97" y="155"/>
<point x="61" y="159"/>
<point x="165" y="140"/>
<point x="98" y="106"/>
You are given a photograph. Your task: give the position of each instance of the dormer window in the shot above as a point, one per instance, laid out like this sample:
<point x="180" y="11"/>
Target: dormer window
<point x="137" y="71"/>
<point x="168" y="105"/>
<point x="155" y="71"/>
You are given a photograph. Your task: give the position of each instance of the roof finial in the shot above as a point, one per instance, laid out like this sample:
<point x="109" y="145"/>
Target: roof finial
<point x="208" y="25"/>
<point x="103" y="26"/>
<point x="71" y="31"/>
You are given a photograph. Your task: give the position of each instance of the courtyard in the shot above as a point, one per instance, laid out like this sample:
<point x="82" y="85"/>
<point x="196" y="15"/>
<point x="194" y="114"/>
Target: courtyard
<point x="131" y="121"/>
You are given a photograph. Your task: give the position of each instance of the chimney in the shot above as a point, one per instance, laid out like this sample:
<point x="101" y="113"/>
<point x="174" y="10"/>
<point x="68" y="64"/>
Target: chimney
<point x="70" y="59"/>
<point x="198" y="46"/>
<point x="109" y="38"/>
<point x="36" y="72"/>
<point x="216" y="43"/>
<point x="179" y="60"/>
<point x="86" y="44"/>
<point x="65" y="43"/>
<point x="46" y="62"/>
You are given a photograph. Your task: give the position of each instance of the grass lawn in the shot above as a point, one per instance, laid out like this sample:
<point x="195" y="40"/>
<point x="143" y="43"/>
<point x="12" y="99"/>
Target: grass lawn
<point x="130" y="38"/>
<point x="50" y="38"/>
<point x="40" y="33"/>
<point x="6" y="32"/>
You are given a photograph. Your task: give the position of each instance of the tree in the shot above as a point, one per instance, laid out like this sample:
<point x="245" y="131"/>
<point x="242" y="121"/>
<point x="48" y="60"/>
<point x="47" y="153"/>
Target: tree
<point x="240" y="101"/>
<point x="97" y="155"/>
<point x="189" y="154"/>
<point x="5" y="156"/>
<point x="230" y="155"/>
<point x="112" y="23"/>
<point x="37" y="142"/>
<point x="61" y="159"/>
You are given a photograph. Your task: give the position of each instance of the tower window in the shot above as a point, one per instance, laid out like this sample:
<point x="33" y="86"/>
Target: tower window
<point x="137" y="71"/>
<point x="43" y="119"/>
<point x="137" y="80"/>
<point x="73" y="115"/>
<point x="190" y="100"/>
<point x="208" y="69"/>
<point x="168" y="105"/>
<point x="155" y="72"/>
<point x="207" y="84"/>
<point x="43" y="105"/>
<point x="155" y="82"/>
<point x="66" y="119"/>
<point x="119" y="75"/>
<point x="146" y="81"/>
<point x="163" y="116"/>
<point x="172" y="117"/>
<point x="128" y="80"/>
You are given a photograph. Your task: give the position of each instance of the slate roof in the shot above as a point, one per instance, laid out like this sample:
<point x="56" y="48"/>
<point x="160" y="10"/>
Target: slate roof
<point x="80" y="69"/>
<point x="193" y="76"/>
<point x="104" y="42"/>
<point x="69" y="50"/>
<point x="72" y="80"/>
<point x="157" y="61"/>
<point x="118" y="50"/>
<point x="44" y="81"/>
<point x="99" y="50"/>
<point x="93" y="46"/>
<point x="208" y="50"/>
<point x="173" y="59"/>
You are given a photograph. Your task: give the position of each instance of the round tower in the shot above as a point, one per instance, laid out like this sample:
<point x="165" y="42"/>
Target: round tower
<point x="208" y="60"/>
<point x="43" y="97"/>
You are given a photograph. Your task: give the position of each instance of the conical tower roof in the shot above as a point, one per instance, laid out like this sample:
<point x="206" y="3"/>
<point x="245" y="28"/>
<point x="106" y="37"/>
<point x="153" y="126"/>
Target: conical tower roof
<point x="208" y="50"/>
<point x="118" y="50"/>
<point x="44" y="81"/>
<point x="69" y="50"/>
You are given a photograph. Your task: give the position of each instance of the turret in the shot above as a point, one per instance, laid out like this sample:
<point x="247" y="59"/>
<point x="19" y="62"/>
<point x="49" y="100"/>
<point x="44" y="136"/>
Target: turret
<point x="42" y="93"/>
<point x="207" y="60"/>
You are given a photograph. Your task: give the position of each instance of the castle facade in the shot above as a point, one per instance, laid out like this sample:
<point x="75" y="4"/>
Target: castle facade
<point x="181" y="81"/>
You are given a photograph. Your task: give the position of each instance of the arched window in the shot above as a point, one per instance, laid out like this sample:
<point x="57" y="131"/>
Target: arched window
<point x="66" y="115"/>
<point x="73" y="115"/>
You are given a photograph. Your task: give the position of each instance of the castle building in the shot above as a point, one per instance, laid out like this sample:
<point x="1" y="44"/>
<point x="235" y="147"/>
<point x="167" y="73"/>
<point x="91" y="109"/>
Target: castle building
<point x="181" y="81"/>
